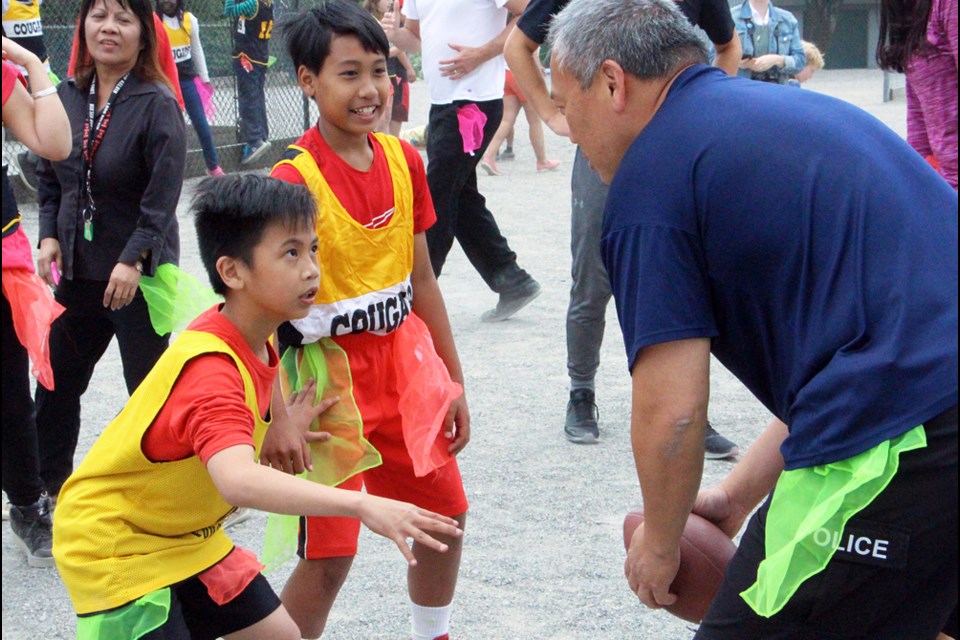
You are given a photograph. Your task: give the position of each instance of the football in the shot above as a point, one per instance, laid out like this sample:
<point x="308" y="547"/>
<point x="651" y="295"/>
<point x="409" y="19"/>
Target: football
<point x="705" y="551"/>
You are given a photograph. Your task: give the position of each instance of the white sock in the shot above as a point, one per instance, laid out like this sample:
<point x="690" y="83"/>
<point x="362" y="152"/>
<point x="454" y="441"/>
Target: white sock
<point x="430" y="622"/>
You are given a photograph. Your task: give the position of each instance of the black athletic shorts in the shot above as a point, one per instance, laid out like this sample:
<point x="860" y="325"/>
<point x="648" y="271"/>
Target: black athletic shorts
<point x="194" y="616"/>
<point x="893" y="577"/>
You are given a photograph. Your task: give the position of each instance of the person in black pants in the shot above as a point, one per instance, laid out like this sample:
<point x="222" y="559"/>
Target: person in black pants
<point x="252" y="28"/>
<point x="113" y="224"/>
<point x="39" y="122"/>
<point x="463" y="64"/>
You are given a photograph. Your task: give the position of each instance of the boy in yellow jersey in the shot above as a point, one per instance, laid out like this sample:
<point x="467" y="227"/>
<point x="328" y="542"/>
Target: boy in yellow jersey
<point x="138" y="536"/>
<point x="379" y="302"/>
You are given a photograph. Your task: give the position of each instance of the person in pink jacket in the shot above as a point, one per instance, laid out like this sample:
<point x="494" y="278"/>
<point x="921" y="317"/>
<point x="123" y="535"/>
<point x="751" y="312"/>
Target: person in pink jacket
<point x="920" y="39"/>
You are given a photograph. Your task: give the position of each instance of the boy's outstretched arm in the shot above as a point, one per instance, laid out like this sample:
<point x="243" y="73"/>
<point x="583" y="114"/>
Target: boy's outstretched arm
<point x="428" y="305"/>
<point x="244" y="483"/>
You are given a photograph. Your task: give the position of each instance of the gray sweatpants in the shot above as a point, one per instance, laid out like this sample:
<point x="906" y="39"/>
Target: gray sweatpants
<point x="590" y="291"/>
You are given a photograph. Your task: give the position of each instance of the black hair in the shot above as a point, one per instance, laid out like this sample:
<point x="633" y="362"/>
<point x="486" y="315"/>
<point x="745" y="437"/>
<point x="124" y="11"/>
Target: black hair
<point x="309" y="33"/>
<point x="178" y="10"/>
<point x="232" y="212"/>
<point x="903" y="32"/>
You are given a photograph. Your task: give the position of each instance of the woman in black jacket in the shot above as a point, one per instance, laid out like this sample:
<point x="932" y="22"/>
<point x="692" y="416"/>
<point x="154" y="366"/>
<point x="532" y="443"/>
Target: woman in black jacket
<point x="107" y="214"/>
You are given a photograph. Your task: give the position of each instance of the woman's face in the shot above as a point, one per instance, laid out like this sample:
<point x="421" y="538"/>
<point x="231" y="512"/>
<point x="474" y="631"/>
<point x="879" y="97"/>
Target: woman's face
<point x="168" y="7"/>
<point x="113" y="34"/>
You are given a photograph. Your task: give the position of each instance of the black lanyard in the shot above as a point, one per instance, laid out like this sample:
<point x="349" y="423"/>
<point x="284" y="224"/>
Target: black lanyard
<point x="93" y="133"/>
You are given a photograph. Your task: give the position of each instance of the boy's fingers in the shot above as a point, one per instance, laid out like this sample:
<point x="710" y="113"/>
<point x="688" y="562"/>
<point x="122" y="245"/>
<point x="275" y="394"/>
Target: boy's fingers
<point x="307" y="455"/>
<point x="317" y="436"/>
<point x="406" y="551"/>
<point x="425" y="539"/>
<point x="325" y="404"/>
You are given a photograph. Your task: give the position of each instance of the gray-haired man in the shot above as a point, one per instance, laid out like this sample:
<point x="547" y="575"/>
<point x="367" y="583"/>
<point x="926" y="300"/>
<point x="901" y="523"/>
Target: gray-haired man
<point x="825" y="279"/>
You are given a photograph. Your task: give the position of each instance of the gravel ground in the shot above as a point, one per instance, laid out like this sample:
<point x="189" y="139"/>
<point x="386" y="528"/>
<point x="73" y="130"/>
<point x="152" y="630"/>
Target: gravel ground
<point x="543" y="554"/>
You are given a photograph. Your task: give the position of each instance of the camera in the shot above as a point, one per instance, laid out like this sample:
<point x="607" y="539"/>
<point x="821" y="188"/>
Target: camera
<point x="770" y="75"/>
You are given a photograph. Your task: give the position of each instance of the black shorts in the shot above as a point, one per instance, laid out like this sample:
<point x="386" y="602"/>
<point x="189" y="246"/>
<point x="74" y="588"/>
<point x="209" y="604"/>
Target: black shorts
<point x="194" y="616"/>
<point x="904" y="588"/>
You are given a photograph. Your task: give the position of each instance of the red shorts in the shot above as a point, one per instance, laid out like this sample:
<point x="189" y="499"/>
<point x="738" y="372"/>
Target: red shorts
<point x="511" y="88"/>
<point x="400" y="92"/>
<point x="374" y="387"/>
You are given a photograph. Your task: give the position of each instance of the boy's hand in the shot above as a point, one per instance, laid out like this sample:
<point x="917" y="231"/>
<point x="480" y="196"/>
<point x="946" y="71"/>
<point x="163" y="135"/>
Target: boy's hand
<point x="400" y="521"/>
<point x="456" y="425"/>
<point x="286" y="447"/>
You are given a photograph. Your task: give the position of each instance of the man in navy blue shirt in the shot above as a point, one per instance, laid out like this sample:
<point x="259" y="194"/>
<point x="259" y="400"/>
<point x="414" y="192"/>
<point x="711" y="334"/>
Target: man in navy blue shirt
<point x="814" y="254"/>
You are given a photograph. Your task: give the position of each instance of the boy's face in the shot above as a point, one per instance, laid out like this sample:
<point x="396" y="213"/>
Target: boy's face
<point x="351" y="89"/>
<point x="282" y="278"/>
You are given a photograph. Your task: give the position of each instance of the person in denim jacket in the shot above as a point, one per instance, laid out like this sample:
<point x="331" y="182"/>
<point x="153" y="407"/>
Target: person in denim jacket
<point x="772" y="50"/>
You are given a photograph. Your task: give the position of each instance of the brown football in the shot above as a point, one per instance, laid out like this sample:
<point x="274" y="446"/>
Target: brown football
<point x="705" y="551"/>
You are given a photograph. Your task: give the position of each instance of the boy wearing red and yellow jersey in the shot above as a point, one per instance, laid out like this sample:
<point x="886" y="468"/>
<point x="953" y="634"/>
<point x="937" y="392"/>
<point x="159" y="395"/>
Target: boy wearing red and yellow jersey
<point x="138" y="537"/>
<point x="380" y="303"/>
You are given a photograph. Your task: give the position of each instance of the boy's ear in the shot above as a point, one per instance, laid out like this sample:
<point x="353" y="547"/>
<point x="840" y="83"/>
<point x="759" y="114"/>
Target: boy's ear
<point x="231" y="272"/>
<point x="306" y="80"/>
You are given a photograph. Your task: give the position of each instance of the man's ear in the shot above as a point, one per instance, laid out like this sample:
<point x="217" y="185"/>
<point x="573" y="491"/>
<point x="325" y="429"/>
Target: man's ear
<point x="231" y="271"/>
<point x="613" y="80"/>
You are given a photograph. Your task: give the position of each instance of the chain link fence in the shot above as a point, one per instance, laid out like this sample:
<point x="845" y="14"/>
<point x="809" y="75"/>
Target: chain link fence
<point x="289" y="113"/>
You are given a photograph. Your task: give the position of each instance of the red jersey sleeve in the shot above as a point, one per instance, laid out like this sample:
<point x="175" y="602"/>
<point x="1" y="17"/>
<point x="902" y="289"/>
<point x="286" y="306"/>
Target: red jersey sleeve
<point x="205" y="413"/>
<point x="423" y="213"/>
<point x="287" y="173"/>
<point x="10" y="76"/>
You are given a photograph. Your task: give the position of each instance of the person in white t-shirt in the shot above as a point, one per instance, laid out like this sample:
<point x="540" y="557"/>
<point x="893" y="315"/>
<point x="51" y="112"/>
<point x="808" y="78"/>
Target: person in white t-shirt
<point x="462" y="46"/>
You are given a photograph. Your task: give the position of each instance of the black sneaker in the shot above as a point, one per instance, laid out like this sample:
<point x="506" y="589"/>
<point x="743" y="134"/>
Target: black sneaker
<point x="718" y="447"/>
<point x="28" y="169"/>
<point x="512" y="301"/>
<point x="33" y="531"/>
<point x="507" y="155"/>
<point x="580" y="426"/>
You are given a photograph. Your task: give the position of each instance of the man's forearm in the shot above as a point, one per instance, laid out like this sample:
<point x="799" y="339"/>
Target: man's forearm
<point x="669" y="460"/>
<point x="728" y="55"/>
<point x="519" y="50"/>
<point x="756" y="475"/>
<point x="405" y="40"/>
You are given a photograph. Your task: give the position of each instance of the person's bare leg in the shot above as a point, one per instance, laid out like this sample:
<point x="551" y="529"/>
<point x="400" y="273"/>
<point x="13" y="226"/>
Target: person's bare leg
<point x="511" y="108"/>
<point x="276" y="626"/>
<point x="395" y="126"/>
<point x="311" y="591"/>
<point x="433" y="580"/>
<point x="536" y="140"/>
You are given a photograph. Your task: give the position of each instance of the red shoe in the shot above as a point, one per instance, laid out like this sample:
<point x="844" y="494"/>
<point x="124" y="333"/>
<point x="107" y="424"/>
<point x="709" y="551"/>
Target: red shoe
<point x="549" y="165"/>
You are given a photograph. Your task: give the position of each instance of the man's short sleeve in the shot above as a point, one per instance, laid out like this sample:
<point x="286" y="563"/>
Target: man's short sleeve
<point x="409" y="10"/>
<point x="658" y="277"/>
<point x="717" y="20"/>
<point x="535" y="21"/>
